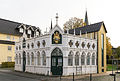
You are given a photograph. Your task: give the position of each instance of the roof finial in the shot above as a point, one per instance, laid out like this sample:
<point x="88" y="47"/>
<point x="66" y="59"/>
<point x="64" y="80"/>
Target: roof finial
<point x="56" y="18"/>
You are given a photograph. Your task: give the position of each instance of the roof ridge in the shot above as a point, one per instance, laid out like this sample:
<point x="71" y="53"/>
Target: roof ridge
<point x="16" y="22"/>
<point x="88" y="28"/>
<point x="10" y="21"/>
<point x="93" y="24"/>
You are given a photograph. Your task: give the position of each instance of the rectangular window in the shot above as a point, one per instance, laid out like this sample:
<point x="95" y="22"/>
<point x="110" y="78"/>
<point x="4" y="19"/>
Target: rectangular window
<point x="21" y="30"/>
<point x="59" y="61"/>
<point x="102" y="49"/>
<point x="53" y="61"/>
<point x="37" y="33"/>
<point x="29" y="31"/>
<point x="9" y="59"/>
<point x="8" y="37"/>
<point x="9" y="47"/>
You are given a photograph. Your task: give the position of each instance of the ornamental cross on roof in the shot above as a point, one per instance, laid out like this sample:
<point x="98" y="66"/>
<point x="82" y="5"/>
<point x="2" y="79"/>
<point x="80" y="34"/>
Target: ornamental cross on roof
<point x="56" y="18"/>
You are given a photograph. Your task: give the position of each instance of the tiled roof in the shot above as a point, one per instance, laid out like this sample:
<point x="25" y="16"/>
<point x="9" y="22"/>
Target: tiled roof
<point x="88" y="28"/>
<point x="10" y="27"/>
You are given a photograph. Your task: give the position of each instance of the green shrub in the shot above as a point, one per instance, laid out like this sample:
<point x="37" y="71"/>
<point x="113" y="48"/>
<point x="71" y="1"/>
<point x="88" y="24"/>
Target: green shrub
<point x="109" y="61"/>
<point x="7" y="64"/>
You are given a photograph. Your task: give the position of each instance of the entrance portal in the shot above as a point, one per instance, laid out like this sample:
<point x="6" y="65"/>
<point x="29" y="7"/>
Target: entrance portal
<point x="24" y="61"/>
<point x="56" y="62"/>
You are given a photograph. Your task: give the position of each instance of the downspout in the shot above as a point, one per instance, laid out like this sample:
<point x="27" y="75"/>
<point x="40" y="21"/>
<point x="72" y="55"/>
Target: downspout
<point x="97" y="53"/>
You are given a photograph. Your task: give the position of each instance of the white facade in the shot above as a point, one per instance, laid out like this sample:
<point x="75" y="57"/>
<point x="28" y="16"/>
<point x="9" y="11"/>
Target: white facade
<point x="36" y="57"/>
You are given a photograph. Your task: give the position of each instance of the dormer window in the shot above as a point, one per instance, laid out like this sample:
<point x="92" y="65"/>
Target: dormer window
<point x="37" y="33"/>
<point x="29" y="31"/>
<point x="21" y="30"/>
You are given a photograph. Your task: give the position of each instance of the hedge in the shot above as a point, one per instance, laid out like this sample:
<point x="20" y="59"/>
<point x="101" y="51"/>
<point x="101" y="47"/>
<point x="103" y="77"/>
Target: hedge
<point x="7" y="64"/>
<point x="110" y="61"/>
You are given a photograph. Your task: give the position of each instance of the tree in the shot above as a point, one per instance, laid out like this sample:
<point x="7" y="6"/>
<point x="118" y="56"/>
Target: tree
<point x="74" y="22"/>
<point x="118" y="51"/>
<point x="108" y="47"/>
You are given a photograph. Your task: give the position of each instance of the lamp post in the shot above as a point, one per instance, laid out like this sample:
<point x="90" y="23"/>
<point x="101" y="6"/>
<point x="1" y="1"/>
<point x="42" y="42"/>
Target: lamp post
<point x="112" y="65"/>
<point x="118" y="64"/>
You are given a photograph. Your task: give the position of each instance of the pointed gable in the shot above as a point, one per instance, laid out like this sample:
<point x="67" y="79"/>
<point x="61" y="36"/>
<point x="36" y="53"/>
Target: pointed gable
<point x="86" y="19"/>
<point x="88" y="28"/>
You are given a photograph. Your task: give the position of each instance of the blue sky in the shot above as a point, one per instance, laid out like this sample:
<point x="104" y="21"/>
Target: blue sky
<point x="40" y="12"/>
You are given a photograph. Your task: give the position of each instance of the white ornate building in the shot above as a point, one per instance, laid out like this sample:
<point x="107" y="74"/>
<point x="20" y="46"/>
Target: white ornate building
<point x="56" y="52"/>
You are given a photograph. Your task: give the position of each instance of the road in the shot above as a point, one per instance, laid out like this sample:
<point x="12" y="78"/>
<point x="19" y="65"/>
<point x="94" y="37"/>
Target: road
<point x="11" y="77"/>
<point x="7" y="75"/>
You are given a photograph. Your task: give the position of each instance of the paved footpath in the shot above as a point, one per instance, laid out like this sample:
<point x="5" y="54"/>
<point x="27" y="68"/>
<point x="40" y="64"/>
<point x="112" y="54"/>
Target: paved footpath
<point x="11" y="75"/>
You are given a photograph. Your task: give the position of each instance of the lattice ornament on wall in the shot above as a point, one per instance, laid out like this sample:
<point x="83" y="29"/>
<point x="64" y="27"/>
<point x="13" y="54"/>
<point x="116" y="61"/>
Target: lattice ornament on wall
<point x="88" y="45"/>
<point x="83" y="44"/>
<point x="70" y="43"/>
<point x="93" y="46"/>
<point x="77" y="44"/>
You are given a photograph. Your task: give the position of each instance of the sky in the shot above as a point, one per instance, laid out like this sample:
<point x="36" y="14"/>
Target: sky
<point x="40" y="12"/>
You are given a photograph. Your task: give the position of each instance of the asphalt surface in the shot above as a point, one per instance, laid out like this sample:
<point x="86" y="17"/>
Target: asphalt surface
<point x="11" y="75"/>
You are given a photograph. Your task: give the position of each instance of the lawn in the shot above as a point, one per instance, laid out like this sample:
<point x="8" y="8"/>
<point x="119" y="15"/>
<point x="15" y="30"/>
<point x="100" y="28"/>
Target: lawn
<point x="109" y="67"/>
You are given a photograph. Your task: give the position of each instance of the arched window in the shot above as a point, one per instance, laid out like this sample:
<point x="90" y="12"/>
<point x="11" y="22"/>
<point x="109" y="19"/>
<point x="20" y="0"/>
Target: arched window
<point x="32" y="59"/>
<point x="16" y="59"/>
<point x="88" y="59"/>
<point x="16" y="47"/>
<point x="28" y="59"/>
<point x="77" y="58"/>
<point x="19" y="47"/>
<point x="70" y="59"/>
<point x="38" y="58"/>
<point x="28" y="46"/>
<point x="19" y="59"/>
<point x="83" y="58"/>
<point x="32" y="45"/>
<point x="24" y="43"/>
<point x="93" y="59"/>
<point x="43" y="58"/>
<point x="38" y="44"/>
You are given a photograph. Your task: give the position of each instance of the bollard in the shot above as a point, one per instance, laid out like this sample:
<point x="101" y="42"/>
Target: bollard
<point x="73" y="77"/>
<point x="114" y="77"/>
<point x="90" y="77"/>
<point x="60" y="77"/>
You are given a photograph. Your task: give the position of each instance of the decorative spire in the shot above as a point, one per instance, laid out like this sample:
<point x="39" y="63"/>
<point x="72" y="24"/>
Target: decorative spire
<point x="86" y="19"/>
<point x="57" y="18"/>
<point x="51" y="23"/>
